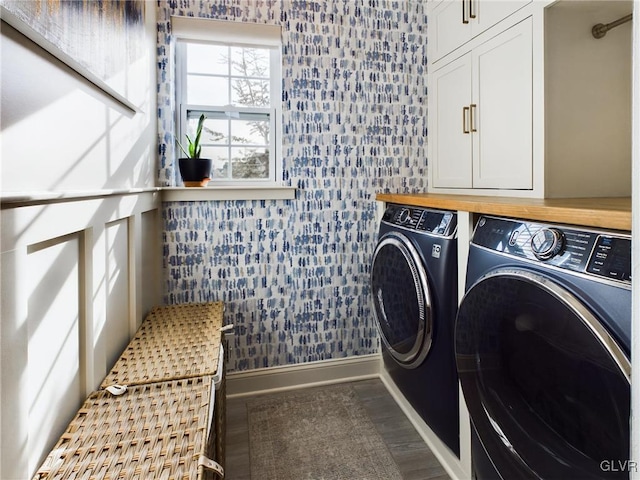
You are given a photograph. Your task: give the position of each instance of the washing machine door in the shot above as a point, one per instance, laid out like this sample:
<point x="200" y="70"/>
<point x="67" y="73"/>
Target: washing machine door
<point x="547" y="388"/>
<point x="402" y="300"/>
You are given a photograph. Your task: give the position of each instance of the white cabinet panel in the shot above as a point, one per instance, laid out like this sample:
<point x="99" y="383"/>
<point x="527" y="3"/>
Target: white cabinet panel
<point x="455" y="22"/>
<point x="481" y="115"/>
<point x="447" y="29"/>
<point x="451" y="145"/>
<point x="489" y="12"/>
<point x="503" y="86"/>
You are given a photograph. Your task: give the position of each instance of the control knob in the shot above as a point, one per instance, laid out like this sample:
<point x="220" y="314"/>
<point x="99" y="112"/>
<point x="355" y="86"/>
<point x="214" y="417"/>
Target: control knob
<point x="404" y="216"/>
<point x="547" y="243"/>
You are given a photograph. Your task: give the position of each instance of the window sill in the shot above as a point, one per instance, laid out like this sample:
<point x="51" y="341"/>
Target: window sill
<point x="182" y="194"/>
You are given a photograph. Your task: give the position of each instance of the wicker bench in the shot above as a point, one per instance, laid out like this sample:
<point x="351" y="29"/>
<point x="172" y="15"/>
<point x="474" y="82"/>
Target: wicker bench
<point x="166" y="419"/>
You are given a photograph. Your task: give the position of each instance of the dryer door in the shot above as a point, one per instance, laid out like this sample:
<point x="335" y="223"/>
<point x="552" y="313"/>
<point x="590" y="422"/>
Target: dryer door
<point x="402" y="302"/>
<point x="547" y="388"/>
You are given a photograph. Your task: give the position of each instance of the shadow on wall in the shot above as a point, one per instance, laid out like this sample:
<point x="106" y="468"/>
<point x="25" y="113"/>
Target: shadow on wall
<point x="74" y="135"/>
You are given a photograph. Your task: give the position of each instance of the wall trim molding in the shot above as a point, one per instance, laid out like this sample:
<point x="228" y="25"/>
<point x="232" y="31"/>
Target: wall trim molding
<point x="302" y="375"/>
<point x="26" y="199"/>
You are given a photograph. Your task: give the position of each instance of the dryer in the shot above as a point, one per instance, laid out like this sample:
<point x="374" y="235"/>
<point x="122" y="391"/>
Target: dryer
<point x="543" y="350"/>
<point x="414" y="288"/>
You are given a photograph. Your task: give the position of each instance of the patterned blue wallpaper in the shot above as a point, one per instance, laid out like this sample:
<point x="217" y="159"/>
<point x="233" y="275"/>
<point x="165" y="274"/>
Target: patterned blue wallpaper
<point x="294" y="274"/>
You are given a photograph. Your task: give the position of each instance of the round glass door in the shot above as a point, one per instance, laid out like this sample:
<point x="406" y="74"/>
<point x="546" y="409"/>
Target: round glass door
<point x="402" y="304"/>
<point x="547" y="388"/>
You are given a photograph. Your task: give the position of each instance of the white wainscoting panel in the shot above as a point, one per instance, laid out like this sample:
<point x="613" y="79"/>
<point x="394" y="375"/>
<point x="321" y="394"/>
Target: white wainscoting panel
<point x="116" y="332"/>
<point x="55" y="387"/>
<point x="71" y="295"/>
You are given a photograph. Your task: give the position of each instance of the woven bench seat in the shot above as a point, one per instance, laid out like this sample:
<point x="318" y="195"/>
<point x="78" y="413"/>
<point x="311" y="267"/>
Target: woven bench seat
<point x="154" y="431"/>
<point x="173" y="342"/>
<point x="170" y="421"/>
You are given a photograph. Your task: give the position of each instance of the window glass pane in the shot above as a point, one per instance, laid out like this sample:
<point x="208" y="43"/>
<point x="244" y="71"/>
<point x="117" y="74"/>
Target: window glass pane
<point x="212" y="59"/>
<point x="214" y="131"/>
<point x="250" y="62"/>
<point x="203" y="90"/>
<point x="220" y="157"/>
<point x="250" y="133"/>
<point x="250" y="163"/>
<point x="219" y="78"/>
<point x="250" y="93"/>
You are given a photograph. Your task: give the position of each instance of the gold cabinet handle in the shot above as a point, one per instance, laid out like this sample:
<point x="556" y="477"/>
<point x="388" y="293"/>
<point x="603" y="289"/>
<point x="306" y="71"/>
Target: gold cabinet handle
<point x="472" y="14"/>
<point x="465" y="117"/>
<point x="473" y="117"/>
<point x="464" y="17"/>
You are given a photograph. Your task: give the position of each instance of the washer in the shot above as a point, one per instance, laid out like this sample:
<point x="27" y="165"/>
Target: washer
<point x="543" y="350"/>
<point x="414" y="289"/>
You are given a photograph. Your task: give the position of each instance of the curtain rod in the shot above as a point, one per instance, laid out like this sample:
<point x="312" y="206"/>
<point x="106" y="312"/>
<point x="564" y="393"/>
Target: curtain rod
<point x="600" y="30"/>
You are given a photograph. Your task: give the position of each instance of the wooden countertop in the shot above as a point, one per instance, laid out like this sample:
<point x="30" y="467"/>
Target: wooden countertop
<point x="614" y="213"/>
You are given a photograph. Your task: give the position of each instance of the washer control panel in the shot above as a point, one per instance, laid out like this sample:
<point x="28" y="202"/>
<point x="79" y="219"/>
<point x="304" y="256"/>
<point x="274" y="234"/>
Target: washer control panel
<point x="426" y="220"/>
<point x="604" y="254"/>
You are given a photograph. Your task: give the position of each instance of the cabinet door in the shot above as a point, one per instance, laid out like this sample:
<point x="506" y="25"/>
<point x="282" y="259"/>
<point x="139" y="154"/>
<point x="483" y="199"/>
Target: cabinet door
<point x="451" y="146"/>
<point x="503" y="117"/>
<point x="455" y="22"/>
<point x="446" y="28"/>
<point x="489" y="12"/>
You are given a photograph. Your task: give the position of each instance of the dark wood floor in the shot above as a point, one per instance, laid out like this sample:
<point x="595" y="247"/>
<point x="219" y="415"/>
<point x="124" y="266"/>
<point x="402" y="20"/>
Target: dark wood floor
<point x="415" y="460"/>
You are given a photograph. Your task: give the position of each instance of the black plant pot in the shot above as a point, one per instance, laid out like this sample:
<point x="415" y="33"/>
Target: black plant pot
<point x="195" y="172"/>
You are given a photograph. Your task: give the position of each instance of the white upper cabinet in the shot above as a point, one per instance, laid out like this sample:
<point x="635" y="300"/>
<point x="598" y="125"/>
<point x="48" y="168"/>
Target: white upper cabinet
<point x="451" y="140"/>
<point x="447" y="30"/>
<point x="503" y="120"/>
<point x="481" y="105"/>
<point x="455" y="22"/>
<point x="524" y="101"/>
<point x="486" y="13"/>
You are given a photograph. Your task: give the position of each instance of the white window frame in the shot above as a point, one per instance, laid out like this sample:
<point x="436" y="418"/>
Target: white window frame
<point x="234" y="34"/>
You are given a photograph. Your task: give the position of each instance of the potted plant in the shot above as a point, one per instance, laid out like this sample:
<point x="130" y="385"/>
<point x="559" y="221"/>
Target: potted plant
<point x="195" y="171"/>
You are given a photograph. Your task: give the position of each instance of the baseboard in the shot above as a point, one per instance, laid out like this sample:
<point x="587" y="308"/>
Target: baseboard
<point x="288" y="377"/>
<point x="451" y="463"/>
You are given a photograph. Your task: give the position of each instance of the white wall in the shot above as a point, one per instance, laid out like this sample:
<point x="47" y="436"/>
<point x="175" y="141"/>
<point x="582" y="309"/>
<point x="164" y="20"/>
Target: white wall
<point x="588" y="100"/>
<point x="77" y="274"/>
<point x="59" y="132"/>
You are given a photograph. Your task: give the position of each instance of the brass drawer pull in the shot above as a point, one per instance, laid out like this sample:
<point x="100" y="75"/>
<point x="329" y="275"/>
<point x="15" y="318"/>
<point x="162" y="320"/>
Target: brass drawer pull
<point x="465" y="20"/>
<point x="473" y="117"/>
<point x="465" y="122"/>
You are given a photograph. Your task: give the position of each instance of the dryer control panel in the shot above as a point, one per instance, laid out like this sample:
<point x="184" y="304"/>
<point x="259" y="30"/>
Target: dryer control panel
<point x="599" y="253"/>
<point x="435" y="222"/>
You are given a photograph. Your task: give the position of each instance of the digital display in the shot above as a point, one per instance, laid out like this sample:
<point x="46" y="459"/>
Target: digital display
<point x="611" y="258"/>
<point x="430" y="221"/>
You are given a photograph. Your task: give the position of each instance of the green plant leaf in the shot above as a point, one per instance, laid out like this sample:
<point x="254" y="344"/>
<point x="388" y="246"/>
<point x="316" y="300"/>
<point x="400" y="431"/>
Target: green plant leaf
<point x="194" y="147"/>
<point x="182" y="148"/>
<point x="196" y="142"/>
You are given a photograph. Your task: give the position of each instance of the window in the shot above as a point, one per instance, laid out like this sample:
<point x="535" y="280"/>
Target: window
<point x="235" y="81"/>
